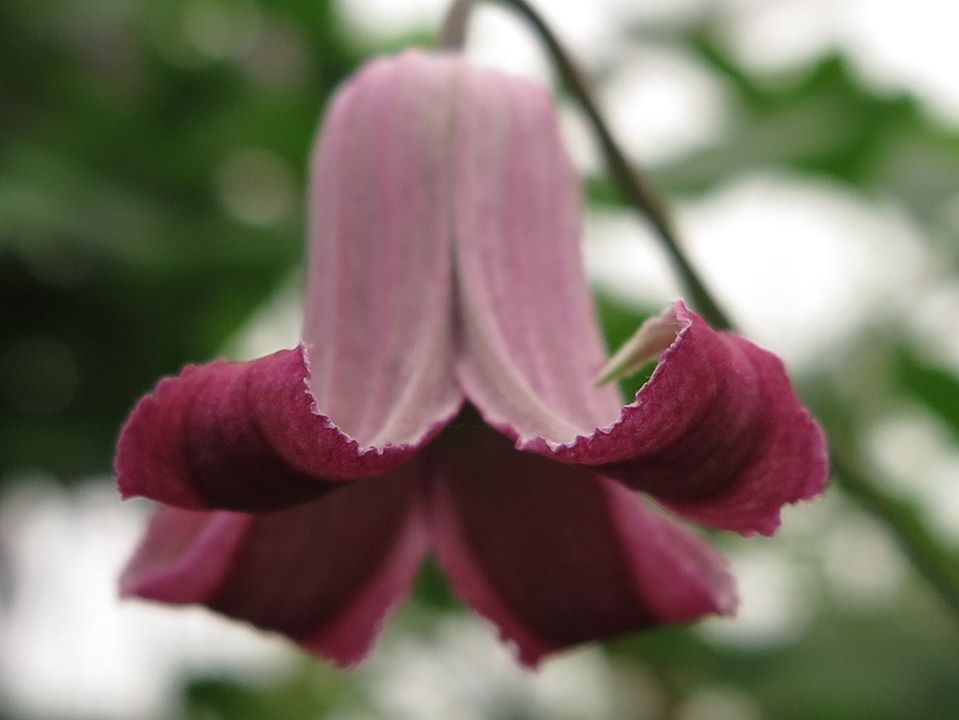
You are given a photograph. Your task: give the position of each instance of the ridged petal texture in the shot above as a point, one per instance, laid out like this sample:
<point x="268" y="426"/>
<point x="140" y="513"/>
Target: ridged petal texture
<point x="444" y="266"/>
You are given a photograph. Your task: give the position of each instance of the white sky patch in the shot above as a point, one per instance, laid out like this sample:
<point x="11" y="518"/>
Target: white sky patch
<point x="778" y="35"/>
<point x="941" y="505"/>
<point x="70" y="647"/>
<point x="579" y="140"/>
<point x="380" y="20"/>
<point x="894" y="45"/>
<point x="934" y="323"/>
<point x="497" y="39"/>
<point x="908" y="46"/>
<point x="497" y="36"/>
<point x="659" y="11"/>
<point x="919" y="460"/>
<point x="622" y="259"/>
<point x="777" y="601"/>
<point x="663" y="103"/>
<point x="863" y="568"/>
<point x="907" y="444"/>
<point x="718" y="702"/>
<point x="464" y="672"/>
<point x="801" y="263"/>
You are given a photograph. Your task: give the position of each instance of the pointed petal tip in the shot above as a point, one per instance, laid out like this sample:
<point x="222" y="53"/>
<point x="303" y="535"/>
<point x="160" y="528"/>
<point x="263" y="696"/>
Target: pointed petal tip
<point x="126" y="590"/>
<point x="134" y="588"/>
<point x="653" y="337"/>
<point x="727" y="602"/>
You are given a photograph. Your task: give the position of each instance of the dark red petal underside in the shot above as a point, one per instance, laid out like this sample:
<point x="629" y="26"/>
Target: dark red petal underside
<point x="324" y="573"/>
<point x="242" y="436"/>
<point x="557" y="555"/>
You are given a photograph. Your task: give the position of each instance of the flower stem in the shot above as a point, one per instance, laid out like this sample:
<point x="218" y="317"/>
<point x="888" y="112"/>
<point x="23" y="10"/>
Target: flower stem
<point x="453" y="33"/>
<point x="914" y="539"/>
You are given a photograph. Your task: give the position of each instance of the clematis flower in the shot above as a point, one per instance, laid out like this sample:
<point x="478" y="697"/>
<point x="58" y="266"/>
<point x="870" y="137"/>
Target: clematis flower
<point x="445" y="398"/>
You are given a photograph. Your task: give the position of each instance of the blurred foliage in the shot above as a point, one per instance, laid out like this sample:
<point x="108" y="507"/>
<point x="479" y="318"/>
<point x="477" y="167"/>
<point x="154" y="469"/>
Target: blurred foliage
<point x="118" y="262"/>
<point x="936" y="387"/>
<point x="122" y="257"/>
<point x="310" y="692"/>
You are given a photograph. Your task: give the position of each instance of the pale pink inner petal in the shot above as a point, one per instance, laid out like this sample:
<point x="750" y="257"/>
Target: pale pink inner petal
<point x="379" y="306"/>
<point x="531" y="348"/>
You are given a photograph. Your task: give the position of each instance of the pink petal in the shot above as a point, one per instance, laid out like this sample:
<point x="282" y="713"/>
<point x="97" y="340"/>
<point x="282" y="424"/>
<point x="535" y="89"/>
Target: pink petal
<point x="555" y="554"/>
<point x="242" y="436"/>
<point x="324" y="573"/>
<point x="531" y="348"/>
<point x="379" y="310"/>
<point x="717" y="433"/>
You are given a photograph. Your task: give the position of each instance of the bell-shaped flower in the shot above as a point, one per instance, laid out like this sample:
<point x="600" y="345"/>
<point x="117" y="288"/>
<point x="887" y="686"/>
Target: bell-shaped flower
<point x="445" y="398"/>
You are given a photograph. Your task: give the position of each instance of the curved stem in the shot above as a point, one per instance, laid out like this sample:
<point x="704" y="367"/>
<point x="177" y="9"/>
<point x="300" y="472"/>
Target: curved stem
<point x="916" y="542"/>
<point x="638" y="192"/>
<point x="453" y="33"/>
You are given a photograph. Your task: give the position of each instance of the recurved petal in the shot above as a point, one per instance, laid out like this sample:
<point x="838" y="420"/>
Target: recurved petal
<point x="557" y="555"/>
<point x="243" y="436"/>
<point x="717" y="433"/>
<point x="324" y="573"/>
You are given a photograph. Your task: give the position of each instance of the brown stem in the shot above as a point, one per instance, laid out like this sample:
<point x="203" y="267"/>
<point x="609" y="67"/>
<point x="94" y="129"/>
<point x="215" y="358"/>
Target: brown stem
<point x="453" y="33"/>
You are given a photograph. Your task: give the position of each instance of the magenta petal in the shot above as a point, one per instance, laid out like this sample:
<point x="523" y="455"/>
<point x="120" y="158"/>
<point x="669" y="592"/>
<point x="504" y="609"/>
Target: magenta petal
<point x="242" y="436"/>
<point x="556" y="555"/>
<point x="717" y="433"/>
<point x="324" y="573"/>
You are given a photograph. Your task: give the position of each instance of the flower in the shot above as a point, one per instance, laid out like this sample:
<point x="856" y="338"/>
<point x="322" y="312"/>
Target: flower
<point x="444" y="397"/>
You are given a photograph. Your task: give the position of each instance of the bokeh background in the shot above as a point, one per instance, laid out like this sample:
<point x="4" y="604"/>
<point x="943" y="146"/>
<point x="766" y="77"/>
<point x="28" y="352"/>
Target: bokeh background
<point x="152" y="165"/>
